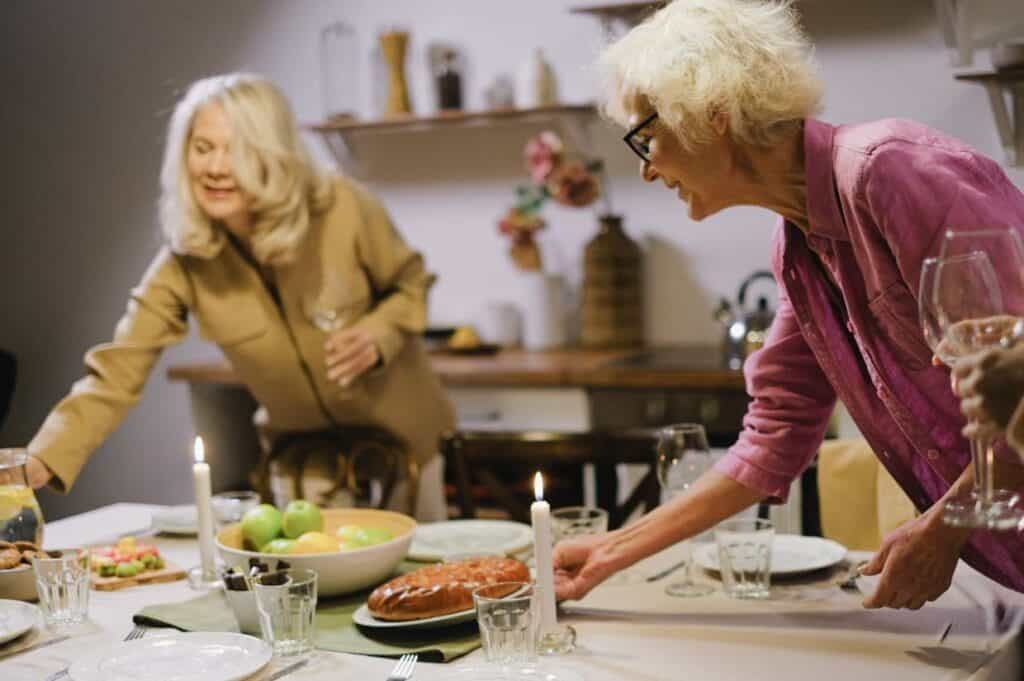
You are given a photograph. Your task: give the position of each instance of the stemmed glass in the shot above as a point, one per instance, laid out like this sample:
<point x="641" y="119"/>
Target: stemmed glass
<point x="963" y="310"/>
<point x="683" y="456"/>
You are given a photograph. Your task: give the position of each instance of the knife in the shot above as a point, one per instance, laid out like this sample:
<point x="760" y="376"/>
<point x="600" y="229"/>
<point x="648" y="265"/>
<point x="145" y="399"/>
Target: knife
<point x="287" y="670"/>
<point x="667" y="571"/>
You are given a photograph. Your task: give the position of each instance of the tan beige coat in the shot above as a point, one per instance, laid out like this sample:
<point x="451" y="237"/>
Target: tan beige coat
<point x="275" y="349"/>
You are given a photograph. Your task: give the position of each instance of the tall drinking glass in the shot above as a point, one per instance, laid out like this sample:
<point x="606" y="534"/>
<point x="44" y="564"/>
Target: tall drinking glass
<point x="286" y="601"/>
<point x="967" y="309"/>
<point x="683" y="456"/>
<point x="62" y="580"/>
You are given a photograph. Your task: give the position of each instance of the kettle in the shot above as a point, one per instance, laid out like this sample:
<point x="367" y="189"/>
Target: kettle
<point x="745" y="331"/>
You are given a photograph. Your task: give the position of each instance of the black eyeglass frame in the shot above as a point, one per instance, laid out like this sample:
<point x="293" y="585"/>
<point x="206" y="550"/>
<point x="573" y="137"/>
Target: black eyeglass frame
<point x="640" y="150"/>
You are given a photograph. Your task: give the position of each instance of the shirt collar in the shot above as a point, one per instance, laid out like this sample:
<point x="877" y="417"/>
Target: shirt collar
<point x="824" y="214"/>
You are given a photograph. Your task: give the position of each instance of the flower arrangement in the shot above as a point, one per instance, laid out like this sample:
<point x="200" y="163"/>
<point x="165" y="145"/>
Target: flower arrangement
<point x="570" y="180"/>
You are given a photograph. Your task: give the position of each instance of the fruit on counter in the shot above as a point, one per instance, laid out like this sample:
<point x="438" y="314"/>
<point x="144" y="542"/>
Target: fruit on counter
<point x="300" y="517"/>
<point x="315" y="542"/>
<point x="279" y="545"/>
<point x="464" y="337"/>
<point x="260" y="525"/>
<point x="127" y="558"/>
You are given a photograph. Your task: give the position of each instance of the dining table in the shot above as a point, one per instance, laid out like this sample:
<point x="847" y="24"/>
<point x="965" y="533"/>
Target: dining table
<point x="627" y="628"/>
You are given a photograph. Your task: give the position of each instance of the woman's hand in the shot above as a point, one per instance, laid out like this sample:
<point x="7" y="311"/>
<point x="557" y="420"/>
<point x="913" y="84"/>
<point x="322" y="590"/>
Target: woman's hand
<point x="990" y="386"/>
<point x="581" y="564"/>
<point x="916" y="562"/>
<point x="38" y="473"/>
<point x="350" y="353"/>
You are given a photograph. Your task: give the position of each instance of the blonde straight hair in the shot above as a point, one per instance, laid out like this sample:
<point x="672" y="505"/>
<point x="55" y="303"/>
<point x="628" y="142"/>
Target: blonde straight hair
<point x="286" y="187"/>
<point x="693" y="59"/>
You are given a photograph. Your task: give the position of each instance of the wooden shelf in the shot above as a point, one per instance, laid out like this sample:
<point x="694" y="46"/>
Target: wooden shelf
<point x="446" y="119"/>
<point x="340" y="135"/>
<point x="619" y="17"/>
<point x="1001" y="86"/>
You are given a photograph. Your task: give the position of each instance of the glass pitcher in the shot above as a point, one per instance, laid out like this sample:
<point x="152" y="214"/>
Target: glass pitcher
<point x="20" y="516"/>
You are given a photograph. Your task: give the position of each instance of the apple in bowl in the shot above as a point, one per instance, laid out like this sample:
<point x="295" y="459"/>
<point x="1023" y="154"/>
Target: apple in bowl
<point x="341" y="568"/>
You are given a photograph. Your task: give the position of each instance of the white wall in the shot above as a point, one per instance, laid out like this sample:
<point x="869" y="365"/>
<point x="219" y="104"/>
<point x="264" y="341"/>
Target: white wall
<point x="87" y="88"/>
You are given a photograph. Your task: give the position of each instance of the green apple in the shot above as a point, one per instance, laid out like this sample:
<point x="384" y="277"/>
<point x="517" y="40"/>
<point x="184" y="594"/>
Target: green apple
<point x="279" y="545"/>
<point x="300" y="517"/>
<point x="353" y="535"/>
<point x="260" y="525"/>
<point x="377" y="535"/>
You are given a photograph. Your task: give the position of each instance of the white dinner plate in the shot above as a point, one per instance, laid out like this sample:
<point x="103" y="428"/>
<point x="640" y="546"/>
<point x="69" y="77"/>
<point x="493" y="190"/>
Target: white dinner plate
<point x="363" y="618"/>
<point x="792" y="554"/>
<point x="436" y="541"/>
<point x="16" y="618"/>
<point x="194" y="656"/>
<point x="176" y="520"/>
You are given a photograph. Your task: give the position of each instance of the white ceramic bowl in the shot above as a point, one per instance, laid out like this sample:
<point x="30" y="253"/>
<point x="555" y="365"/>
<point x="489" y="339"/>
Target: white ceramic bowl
<point x="18" y="583"/>
<point x="338" y="572"/>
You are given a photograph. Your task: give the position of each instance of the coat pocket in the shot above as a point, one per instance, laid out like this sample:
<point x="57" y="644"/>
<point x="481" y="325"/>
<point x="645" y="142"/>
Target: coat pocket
<point x="895" y="310"/>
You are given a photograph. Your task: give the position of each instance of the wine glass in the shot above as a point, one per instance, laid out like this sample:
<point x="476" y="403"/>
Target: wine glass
<point x="967" y="305"/>
<point x="683" y="456"/>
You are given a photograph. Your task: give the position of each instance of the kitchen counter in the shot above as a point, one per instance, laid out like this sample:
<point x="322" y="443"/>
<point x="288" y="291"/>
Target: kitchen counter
<point x="667" y="367"/>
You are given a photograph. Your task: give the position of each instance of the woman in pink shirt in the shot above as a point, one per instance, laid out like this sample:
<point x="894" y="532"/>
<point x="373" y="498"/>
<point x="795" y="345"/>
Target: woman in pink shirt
<point x="718" y="97"/>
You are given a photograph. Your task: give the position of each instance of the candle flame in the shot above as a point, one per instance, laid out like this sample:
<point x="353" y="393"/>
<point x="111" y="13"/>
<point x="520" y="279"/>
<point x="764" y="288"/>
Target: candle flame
<point x="198" y="451"/>
<point x="538" y="486"/>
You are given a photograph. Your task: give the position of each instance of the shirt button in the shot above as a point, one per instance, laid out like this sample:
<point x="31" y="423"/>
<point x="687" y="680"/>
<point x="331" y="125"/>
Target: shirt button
<point x="849" y="326"/>
<point x="885" y="455"/>
<point x="933" y="454"/>
<point x="792" y="274"/>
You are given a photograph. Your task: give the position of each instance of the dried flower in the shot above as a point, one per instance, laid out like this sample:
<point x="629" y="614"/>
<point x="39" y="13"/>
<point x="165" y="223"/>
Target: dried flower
<point x="543" y="154"/>
<point x="571" y="183"/>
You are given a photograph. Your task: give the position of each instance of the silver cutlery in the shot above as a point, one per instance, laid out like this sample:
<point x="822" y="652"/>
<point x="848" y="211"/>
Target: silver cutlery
<point x="136" y="632"/>
<point x="850" y="583"/>
<point x="662" y="574"/>
<point x="281" y="673"/>
<point x="403" y="670"/>
<point x="944" y="633"/>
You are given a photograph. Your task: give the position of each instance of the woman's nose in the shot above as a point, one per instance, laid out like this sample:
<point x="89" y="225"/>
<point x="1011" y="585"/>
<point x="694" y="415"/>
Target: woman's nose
<point x="648" y="172"/>
<point x="220" y="163"/>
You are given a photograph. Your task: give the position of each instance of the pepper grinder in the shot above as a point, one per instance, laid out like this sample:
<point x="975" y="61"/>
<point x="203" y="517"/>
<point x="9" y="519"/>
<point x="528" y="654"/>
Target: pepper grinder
<point x="393" y="47"/>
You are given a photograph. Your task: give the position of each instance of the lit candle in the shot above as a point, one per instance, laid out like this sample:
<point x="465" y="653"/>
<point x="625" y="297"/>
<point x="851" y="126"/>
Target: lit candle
<point x="201" y="486"/>
<point x="540" y="516"/>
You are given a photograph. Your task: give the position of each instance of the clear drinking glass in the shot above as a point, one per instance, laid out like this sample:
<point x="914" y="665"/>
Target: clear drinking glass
<point x="577" y="521"/>
<point x="683" y="456"/>
<point x="229" y="507"/>
<point x="62" y="580"/>
<point x="976" y="305"/>
<point x="745" y="557"/>
<point x="507" y="615"/>
<point x="286" y="601"/>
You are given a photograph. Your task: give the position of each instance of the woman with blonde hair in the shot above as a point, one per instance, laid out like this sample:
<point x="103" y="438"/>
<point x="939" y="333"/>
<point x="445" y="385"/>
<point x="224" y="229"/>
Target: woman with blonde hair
<point x="718" y="97"/>
<point x="303" y="282"/>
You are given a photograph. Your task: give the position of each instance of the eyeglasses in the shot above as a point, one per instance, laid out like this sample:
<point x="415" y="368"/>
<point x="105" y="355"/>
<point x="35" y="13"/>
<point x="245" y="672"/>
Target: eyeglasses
<point x="637" y="141"/>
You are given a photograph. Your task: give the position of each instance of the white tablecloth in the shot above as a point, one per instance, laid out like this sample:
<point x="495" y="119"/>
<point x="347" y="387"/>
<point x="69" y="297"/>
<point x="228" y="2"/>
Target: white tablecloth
<point x="632" y="631"/>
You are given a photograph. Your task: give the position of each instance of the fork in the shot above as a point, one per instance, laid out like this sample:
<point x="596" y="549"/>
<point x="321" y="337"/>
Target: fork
<point x="137" y="632"/>
<point x="403" y="670"/>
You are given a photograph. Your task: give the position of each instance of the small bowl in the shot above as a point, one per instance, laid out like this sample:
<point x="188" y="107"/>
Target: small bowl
<point x="338" y="572"/>
<point x="18" y="583"/>
<point x="243" y="604"/>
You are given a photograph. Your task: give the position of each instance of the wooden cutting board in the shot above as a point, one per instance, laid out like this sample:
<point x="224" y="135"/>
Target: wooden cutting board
<point x="168" y="573"/>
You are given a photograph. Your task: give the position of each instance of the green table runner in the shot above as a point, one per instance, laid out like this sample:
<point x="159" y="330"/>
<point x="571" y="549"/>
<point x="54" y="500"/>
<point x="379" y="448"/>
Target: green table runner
<point x="334" y="627"/>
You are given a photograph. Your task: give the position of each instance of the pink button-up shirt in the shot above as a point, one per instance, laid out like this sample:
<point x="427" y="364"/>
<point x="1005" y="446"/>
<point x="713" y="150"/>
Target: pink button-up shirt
<point x="879" y="198"/>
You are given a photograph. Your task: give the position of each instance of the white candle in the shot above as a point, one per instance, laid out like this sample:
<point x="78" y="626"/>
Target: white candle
<point x="540" y="516"/>
<point x="204" y="515"/>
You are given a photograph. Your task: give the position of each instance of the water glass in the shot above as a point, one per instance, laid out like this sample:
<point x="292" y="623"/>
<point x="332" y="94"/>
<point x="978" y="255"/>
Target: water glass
<point x="507" y="615"/>
<point x="229" y="507"/>
<point x="286" y="601"/>
<point x="577" y="521"/>
<point x="62" y="580"/>
<point x="745" y="557"/>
